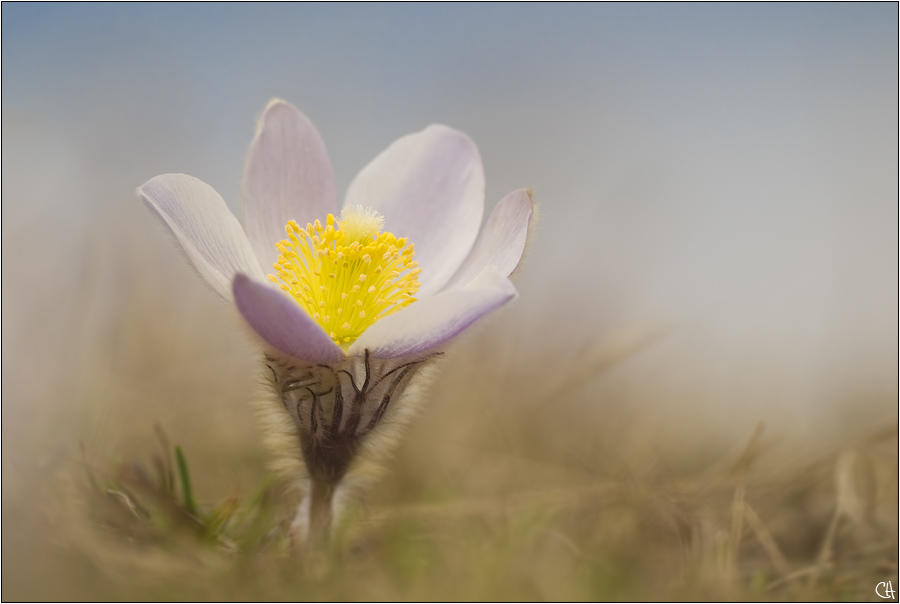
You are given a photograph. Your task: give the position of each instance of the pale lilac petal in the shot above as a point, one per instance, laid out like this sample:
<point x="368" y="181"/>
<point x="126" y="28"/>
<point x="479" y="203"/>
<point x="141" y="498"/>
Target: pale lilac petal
<point x="288" y="177"/>
<point x="282" y="323"/>
<point x="430" y="188"/>
<point x="426" y="324"/>
<point x="210" y="235"/>
<point x="501" y="241"/>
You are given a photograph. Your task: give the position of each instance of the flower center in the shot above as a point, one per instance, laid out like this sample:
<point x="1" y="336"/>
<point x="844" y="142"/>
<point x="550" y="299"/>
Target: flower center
<point x="347" y="274"/>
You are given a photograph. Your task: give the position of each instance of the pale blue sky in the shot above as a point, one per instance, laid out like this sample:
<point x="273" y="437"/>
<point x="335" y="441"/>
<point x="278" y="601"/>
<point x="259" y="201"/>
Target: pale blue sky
<point x="729" y="168"/>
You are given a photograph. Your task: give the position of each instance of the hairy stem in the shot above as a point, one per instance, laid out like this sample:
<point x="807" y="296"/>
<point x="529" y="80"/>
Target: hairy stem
<point x="320" y="514"/>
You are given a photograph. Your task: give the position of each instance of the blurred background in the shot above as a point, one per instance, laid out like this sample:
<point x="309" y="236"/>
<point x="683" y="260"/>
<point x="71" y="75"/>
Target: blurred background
<point x="717" y="243"/>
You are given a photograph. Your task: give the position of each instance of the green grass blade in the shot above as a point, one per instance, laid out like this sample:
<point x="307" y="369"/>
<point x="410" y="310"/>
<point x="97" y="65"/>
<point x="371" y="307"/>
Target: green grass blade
<point x="189" y="504"/>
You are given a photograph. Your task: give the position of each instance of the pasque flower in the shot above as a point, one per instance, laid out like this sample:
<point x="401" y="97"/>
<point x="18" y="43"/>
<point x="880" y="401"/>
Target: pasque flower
<point x="350" y="305"/>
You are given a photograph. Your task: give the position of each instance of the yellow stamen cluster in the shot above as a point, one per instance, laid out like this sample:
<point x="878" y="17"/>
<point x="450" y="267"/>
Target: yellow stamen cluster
<point x="347" y="274"/>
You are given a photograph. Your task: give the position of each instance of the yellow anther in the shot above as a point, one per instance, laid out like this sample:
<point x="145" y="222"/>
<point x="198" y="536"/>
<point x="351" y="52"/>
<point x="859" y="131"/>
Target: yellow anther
<point x="356" y="252"/>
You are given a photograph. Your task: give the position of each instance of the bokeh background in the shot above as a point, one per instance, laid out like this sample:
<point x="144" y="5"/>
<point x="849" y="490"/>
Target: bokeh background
<point x="717" y="244"/>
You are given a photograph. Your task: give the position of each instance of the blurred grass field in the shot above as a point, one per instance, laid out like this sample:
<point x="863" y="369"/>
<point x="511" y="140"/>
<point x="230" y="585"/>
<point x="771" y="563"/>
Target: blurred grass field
<point x="534" y="472"/>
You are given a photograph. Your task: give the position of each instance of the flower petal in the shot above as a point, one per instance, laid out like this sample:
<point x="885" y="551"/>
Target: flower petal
<point x="501" y="241"/>
<point x="288" y="177"/>
<point x="430" y="188"/>
<point x="282" y="323"/>
<point x="428" y="323"/>
<point x="208" y="232"/>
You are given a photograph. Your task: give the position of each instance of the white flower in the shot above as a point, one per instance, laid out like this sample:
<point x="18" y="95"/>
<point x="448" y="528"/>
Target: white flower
<point x="358" y="303"/>
<point x="427" y="188"/>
